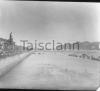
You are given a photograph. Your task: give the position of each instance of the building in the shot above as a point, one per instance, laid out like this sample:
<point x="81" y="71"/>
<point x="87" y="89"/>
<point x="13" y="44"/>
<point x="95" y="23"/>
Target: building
<point x="7" y="44"/>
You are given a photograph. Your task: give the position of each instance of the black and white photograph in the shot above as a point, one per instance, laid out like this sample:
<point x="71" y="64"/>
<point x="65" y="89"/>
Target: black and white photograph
<point x="49" y="45"/>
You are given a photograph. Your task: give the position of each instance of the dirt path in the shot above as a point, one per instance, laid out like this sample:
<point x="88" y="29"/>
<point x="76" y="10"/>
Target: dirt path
<point x="49" y="71"/>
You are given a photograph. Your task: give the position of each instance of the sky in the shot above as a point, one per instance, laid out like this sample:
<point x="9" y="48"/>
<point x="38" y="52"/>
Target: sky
<point x="47" y="21"/>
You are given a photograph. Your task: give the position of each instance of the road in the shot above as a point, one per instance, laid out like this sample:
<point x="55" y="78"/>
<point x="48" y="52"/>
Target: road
<point x="40" y="71"/>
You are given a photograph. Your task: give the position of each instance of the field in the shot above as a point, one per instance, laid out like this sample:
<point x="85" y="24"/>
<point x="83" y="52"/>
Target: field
<point x="56" y="70"/>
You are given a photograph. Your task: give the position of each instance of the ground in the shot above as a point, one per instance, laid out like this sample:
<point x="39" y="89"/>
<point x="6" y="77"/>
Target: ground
<point x="54" y="70"/>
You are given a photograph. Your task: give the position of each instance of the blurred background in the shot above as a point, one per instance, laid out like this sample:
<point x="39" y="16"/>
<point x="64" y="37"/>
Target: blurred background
<point x="47" y="21"/>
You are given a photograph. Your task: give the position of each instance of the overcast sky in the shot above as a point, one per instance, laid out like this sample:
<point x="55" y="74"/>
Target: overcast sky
<point x="45" y="21"/>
